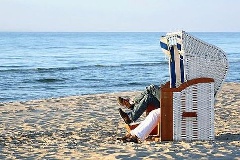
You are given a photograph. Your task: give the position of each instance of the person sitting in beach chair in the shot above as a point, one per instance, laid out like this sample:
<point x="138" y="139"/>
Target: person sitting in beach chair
<point x="142" y="131"/>
<point x="187" y="100"/>
<point x="140" y="103"/>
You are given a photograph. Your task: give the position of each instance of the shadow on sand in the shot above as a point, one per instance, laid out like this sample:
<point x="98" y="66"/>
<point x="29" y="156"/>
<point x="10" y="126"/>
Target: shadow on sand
<point x="228" y="136"/>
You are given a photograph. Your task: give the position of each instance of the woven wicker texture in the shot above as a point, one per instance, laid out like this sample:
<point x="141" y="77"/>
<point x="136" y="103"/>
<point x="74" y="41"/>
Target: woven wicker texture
<point x="201" y="59"/>
<point x="193" y="107"/>
<point x="195" y="98"/>
<point x="204" y="60"/>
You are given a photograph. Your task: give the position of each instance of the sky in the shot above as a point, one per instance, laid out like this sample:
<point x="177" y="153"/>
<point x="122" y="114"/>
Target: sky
<point x="119" y="15"/>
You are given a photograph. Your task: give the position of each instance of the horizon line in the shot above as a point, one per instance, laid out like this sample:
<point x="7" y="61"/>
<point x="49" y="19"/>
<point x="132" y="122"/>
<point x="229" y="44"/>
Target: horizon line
<point x="116" y="31"/>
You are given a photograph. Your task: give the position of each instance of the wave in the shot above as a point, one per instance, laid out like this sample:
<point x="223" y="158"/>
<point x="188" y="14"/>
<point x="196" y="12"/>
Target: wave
<point x="130" y="84"/>
<point x="150" y="64"/>
<point x="22" y="69"/>
<point x="55" y="47"/>
<point x="49" y="80"/>
<point x="93" y="79"/>
<point x="91" y="66"/>
<point x="56" y="68"/>
<point x="103" y="65"/>
<point x="14" y="66"/>
<point x="60" y="47"/>
<point x="90" y="48"/>
<point x="133" y="64"/>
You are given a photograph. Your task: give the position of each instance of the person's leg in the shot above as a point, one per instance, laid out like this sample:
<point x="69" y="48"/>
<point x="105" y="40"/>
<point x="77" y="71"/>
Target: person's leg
<point x="152" y="89"/>
<point x="140" y="107"/>
<point x="149" y="96"/>
<point x="145" y="127"/>
<point x="138" y="98"/>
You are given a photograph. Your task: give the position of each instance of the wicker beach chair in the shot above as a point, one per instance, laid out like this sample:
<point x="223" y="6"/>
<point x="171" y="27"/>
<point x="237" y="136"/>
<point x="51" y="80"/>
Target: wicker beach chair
<point x="197" y="72"/>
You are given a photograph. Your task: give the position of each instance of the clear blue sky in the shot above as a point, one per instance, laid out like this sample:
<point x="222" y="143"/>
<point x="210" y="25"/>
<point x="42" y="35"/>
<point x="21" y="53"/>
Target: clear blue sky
<point x="119" y="15"/>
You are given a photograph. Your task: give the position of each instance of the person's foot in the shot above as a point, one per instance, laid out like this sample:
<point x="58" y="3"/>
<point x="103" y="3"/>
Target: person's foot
<point x="124" y="116"/>
<point x="129" y="138"/>
<point x="125" y="102"/>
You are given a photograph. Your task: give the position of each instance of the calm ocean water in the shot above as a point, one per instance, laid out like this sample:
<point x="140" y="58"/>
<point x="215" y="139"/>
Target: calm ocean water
<point x="44" y="65"/>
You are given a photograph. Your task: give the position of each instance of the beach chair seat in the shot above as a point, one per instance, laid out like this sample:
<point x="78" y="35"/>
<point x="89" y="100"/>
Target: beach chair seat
<point x="197" y="71"/>
<point x="187" y="112"/>
<point x="150" y="107"/>
<point x="155" y="132"/>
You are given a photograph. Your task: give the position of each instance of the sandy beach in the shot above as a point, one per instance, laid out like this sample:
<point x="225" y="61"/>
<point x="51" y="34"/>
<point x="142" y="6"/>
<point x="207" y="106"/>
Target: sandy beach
<point x="86" y="127"/>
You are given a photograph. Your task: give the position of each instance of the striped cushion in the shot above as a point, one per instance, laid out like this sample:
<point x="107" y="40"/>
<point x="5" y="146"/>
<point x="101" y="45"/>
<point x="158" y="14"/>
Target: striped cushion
<point x="191" y="58"/>
<point x="176" y="65"/>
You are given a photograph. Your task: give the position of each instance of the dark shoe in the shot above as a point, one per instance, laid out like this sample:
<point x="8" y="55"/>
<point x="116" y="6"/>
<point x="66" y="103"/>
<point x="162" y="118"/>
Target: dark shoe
<point x="125" y="102"/>
<point x="125" y="116"/>
<point x="129" y="138"/>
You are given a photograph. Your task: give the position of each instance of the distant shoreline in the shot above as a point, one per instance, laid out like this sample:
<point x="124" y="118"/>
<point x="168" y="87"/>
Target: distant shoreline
<point x="95" y="94"/>
<point x="114" y="31"/>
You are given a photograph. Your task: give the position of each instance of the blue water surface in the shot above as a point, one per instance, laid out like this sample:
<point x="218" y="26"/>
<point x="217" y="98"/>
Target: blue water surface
<point x="44" y="65"/>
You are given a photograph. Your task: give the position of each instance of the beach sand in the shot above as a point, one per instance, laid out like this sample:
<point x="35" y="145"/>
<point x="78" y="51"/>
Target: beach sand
<point x="86" y="127"/>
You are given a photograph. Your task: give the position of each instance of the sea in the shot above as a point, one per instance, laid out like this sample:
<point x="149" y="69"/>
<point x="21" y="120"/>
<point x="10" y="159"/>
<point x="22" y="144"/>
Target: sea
<point x="49" y="65"/>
